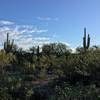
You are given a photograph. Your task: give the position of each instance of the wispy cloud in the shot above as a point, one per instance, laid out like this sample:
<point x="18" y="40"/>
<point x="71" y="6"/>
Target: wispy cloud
<point x="42" y="39"/>
<point x="44" y="18"/>
<point x="47" y="18"/>
<point x="25" y="36"/>
<point x="29" y="42"/>
<point x="30" y="29"/>
<point x="25" y="43"/>
<point x="67" y="44"/>
<point x="42" y="31"/>
<point x="6" y="22"/>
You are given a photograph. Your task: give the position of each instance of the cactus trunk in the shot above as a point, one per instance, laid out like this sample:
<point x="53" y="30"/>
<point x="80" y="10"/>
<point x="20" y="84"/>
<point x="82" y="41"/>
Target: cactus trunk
<point x="86" y="41"/>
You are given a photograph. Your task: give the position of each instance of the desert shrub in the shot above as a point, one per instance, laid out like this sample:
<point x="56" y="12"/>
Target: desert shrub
<point x="66" y="91"/>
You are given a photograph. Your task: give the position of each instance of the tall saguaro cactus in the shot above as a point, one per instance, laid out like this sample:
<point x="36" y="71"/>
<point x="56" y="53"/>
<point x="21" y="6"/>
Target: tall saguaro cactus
<point x="38" y="50"/>
<point x="38" y="53"/>
<point x="86" y="41"/>
<point x="8" y="46"/>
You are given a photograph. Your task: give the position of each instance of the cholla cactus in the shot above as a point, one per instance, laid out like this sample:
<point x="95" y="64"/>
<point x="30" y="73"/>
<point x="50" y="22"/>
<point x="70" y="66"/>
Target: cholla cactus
<point x="8" y="46"/>
<point x="86" y="43"/>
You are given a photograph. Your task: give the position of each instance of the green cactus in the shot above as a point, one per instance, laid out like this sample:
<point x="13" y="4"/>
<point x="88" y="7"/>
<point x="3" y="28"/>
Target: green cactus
<point x="8" y="46"/>
<point x="38" y="53"/>
<point x="86" y="41"/>
<point x="38" y="50"/>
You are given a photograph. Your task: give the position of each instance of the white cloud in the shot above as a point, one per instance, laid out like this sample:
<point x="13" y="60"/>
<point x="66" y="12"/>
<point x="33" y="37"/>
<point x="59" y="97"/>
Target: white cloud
<point x="41" y="31"/>
<point x="30" y="29"/>
<point x="40" y="43"/>
<point x="42" y="39"/>
<point x="73" y="50"/>
<point x="44" y="18"/>
<point x="48" y="18"/>
<point x="25" y="36"/>
<point x="25" y="43"/>
<point x="67" y="44"/>
<point x="5" y="22"/>
<point x="29" y="42"/>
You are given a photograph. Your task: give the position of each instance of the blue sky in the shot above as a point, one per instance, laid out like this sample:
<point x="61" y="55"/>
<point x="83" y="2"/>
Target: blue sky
<point x="32" y="22"/>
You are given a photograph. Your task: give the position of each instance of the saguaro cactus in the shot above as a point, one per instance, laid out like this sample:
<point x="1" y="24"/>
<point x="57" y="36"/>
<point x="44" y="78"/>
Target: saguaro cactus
<point x="38" y="50"/>
<point x="86" y="41"/>
<point x="8" y="45"/>
<point x="38" y="53"/>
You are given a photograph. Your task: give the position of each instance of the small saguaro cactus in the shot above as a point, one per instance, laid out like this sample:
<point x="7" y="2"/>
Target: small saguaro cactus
<point x="86" y="41"/>
<point x="8" y="46"/>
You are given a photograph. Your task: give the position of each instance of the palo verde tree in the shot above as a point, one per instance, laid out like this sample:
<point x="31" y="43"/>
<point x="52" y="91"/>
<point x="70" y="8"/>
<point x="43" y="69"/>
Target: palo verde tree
<point x="8" y="46"/>
<point x="86" y="41"/>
